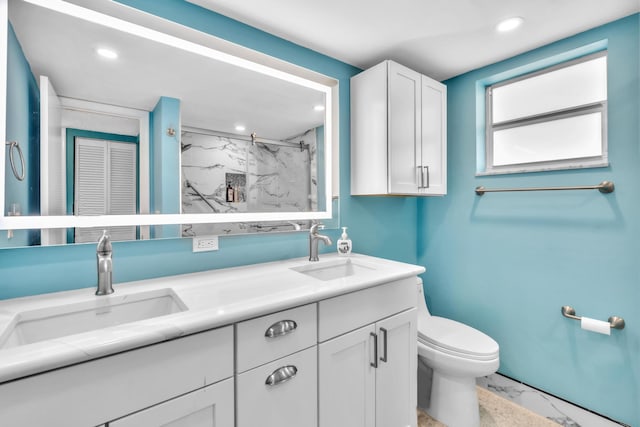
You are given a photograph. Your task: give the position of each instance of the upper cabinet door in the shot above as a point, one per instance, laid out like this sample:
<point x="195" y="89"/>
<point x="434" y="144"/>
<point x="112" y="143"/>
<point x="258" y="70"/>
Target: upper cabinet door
<point x="433" y="157"/>
<point x="404" y="129"/>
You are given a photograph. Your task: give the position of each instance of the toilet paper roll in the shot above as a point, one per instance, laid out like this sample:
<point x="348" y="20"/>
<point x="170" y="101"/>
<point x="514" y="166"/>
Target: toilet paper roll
<point x="594" y="325"/>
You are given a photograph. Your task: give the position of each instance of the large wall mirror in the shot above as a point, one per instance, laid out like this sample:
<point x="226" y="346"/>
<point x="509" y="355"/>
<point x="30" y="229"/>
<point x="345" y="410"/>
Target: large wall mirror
<point x="119" y="119"/>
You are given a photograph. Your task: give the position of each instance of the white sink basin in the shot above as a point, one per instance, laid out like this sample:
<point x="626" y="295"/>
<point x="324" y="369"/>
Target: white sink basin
<point x="334" y="269"/>
<point x="97" y="313"/>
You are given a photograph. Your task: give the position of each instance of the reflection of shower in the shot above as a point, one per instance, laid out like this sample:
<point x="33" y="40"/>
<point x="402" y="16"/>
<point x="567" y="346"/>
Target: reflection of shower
<point x="275" y="177"/>
<point x="305" y="146"/>
<point x="188" y="184"/>
<point x="183" y="147"/>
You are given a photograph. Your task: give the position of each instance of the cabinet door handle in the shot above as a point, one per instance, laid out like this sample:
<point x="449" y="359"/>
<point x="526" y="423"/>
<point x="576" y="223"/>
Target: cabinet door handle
<point x="374" y="364"/>
<point x="383" y="331"/>
<point x="420" y="176"/>
<point x="281" y="328"/>
<point x="423" y="179"/>
<point x="281" y="375"/>
<point x="427" y="180"/>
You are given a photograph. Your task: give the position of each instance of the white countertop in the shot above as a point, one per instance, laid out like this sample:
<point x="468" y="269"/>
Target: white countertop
<point x="214" y="298"/>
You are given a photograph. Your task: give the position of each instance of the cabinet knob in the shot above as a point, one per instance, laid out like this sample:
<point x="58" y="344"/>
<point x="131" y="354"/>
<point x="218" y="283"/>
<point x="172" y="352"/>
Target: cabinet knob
<point x="281" y="375"/>
<point x="280" y="328"/>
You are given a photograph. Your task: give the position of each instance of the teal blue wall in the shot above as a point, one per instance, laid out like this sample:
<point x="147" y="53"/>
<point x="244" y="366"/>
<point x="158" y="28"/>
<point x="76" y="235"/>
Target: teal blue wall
<point x="379" y="226"/>
<point x="166" y="164"/>
<point x="23" y="107"/>
<point x="506" y="262"/>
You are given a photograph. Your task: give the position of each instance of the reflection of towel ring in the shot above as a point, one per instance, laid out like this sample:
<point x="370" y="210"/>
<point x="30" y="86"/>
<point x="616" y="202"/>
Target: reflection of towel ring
<point x="14" y="145"/>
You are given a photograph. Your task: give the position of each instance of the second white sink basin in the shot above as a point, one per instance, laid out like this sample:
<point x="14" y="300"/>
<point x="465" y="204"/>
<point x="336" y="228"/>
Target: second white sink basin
<point x="97" y="313"/>
<point x="334" y="269"/>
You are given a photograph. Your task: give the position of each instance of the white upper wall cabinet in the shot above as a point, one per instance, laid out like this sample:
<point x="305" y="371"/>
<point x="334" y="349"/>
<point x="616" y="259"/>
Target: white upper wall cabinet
<point x="398" y="133"/>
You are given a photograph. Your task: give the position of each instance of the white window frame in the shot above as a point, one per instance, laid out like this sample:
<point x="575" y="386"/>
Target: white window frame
<point x="536" y="166"/>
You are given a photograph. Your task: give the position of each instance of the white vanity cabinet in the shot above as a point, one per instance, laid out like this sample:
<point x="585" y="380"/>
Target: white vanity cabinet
<point x="277" y="379"/>
<point x="324" y="353"/>
<point x="398" y="132"/>
<point x="367" y="357"/>
<point x="105" y="389"/>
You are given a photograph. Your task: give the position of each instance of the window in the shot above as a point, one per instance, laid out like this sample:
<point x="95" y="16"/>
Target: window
<point x="555" y="118"/>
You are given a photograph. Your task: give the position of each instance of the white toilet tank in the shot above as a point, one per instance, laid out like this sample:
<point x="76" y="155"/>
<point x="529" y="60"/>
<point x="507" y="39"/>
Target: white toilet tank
<point x="423" y="310"/>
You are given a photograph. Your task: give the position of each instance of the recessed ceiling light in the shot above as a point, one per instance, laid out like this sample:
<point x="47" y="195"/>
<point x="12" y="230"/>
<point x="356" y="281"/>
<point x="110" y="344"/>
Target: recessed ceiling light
<point x="107" y="53"/>
<point x="509" y="24"/>
<point x="240" y="128"/>
<point x="319" y="107"/>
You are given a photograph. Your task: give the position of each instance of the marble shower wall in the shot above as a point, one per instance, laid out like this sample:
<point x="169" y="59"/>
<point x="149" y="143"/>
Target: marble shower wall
<point x="266" y="178"/>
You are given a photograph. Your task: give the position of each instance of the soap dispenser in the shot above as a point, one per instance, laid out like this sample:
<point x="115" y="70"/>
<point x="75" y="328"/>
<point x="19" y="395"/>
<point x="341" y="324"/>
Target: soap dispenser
<point x="344" y="243"/>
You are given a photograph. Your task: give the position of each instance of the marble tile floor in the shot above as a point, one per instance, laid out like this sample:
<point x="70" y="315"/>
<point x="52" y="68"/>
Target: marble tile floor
<point x="550" y="407"/>
<point x="496" y="411"/>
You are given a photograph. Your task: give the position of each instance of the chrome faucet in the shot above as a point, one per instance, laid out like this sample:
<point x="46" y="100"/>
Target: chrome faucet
<point x="314" y="236"/>
<point x="104" y="253"/>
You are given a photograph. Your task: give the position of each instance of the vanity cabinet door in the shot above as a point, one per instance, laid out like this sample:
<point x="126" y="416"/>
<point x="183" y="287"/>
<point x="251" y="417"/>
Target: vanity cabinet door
<point x="283" y="393"/>
<point x="346" y="380"/>
<point x="396" y="376"/>
<point x="211" y="406"/>
<point x="367" y="377"/>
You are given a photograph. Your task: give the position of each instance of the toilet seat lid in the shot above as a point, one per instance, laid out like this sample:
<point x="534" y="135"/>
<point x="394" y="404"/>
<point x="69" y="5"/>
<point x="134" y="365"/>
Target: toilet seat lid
<point x="457" y="337"/>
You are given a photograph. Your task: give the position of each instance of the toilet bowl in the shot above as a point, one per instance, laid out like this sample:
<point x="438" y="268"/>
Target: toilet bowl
<point x="457" y="354"/>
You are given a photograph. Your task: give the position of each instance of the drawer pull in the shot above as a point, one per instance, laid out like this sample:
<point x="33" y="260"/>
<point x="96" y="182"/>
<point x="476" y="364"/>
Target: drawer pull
<point x="281" y="375"/>
<point x="280" y="328"/>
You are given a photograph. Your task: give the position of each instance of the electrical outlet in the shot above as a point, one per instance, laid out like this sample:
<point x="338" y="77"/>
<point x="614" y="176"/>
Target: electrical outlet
<point x="205" y="243"/>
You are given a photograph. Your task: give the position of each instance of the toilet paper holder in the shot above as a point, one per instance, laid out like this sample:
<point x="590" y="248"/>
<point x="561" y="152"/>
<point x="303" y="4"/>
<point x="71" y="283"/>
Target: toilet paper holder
<point x="614" y="321"/>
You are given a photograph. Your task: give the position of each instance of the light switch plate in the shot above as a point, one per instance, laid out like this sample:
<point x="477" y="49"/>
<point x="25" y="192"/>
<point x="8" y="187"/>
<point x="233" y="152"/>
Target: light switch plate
<point x="205" y="243"/>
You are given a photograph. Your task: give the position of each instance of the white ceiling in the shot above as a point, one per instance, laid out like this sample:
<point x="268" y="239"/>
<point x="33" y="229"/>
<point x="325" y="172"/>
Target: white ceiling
<point x="441" y="38"/>
<point x="214" y="95"/>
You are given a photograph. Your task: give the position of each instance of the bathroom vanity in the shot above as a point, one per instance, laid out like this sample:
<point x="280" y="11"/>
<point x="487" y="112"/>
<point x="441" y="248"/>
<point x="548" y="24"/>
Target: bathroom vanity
<point x="288" y="343"/>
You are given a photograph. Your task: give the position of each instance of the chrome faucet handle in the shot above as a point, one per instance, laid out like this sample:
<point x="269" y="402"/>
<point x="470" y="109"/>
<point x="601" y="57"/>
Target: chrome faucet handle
<point x="315" y="227"/>
<point x="104" y="244"/>
<point x="314" y="236"/>
<point x="104" y="253"/>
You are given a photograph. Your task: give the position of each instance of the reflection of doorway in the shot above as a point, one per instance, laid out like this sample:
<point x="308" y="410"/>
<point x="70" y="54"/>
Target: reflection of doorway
<point x="103" y="181"/>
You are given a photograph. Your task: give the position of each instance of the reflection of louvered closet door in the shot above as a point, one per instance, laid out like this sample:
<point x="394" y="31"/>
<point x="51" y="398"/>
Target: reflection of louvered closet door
<point x="105" y="184"/>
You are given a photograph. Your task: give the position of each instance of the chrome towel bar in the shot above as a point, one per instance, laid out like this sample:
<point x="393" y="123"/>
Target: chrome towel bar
<point x="615" y="322"/>
<point x="603" y="187"/>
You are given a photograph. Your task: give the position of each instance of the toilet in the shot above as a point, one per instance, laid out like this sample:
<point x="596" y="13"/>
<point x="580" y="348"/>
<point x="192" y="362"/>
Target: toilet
<point x="457" y="354"/>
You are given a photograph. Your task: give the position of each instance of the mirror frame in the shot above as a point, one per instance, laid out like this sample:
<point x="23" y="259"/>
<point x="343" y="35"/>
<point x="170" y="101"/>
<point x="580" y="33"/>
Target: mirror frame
<point x="157" y="29"/>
